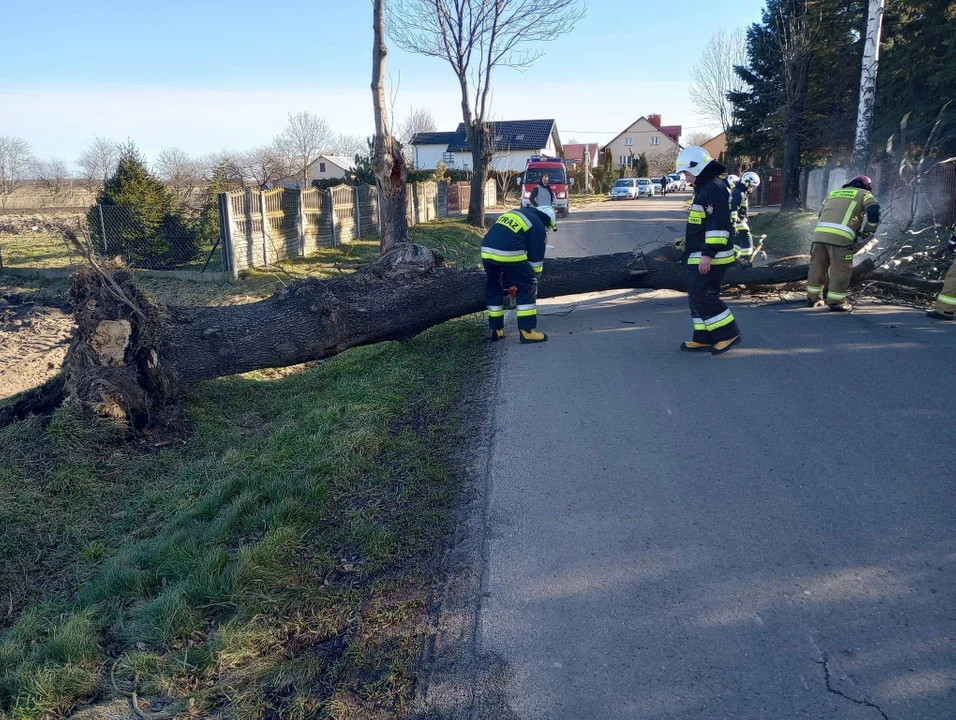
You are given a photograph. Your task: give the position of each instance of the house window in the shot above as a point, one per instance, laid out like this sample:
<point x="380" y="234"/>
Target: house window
<point x="628" y="142"/>
<point x="321" y="167"/>
<point x="623" y="159"/>
<point x="519" y="137"/>
<point x="448" y="158"/>
<point x="655" y="140"/>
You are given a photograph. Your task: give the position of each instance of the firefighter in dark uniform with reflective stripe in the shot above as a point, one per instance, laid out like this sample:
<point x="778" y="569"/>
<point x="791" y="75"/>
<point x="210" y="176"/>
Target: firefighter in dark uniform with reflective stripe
<point x="739" y="210"/>
<point x="513" y="254"/>
<point x="708" y="251"/>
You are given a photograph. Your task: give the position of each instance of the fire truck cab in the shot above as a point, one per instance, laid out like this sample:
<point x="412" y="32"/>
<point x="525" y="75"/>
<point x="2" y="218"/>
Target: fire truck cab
<point x="557" y="173"/>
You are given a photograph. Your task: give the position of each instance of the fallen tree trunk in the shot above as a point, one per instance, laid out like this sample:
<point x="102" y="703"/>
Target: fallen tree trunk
<point x="913" y="281"/>
<point x="130" y="358"/>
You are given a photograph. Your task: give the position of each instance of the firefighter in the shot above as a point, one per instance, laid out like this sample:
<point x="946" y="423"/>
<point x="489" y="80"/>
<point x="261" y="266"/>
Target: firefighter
<point x="708" y="250"/>
<point x="739" y="208"/>
<point x="848" y="216"/>
<point x="946" y="301"/>
<point x="513" y="255"/>
<point x="732" y="181"/>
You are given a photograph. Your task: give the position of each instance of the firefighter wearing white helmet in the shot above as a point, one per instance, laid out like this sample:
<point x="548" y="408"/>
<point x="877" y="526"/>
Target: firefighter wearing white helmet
<point x="732" y="180"/>
<point x="512" y="253"/>
<point x="739" y="209"/>
<point x="708" y="251"/>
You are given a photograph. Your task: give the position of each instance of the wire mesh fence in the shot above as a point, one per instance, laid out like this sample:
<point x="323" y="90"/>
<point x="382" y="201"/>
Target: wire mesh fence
<point x="153" y="241"/>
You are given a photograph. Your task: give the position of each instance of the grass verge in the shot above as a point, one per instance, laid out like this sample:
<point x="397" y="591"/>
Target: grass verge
<point x="787" y="233"/>
<point x="275" y="565"/>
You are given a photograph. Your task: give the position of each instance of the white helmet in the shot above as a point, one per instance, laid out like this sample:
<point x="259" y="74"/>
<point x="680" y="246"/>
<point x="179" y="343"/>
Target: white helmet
<point x="732" y="180"/>
<point x="549" y="211"/>
<point x="751" y="179"/>
<point x="693" y="159"/>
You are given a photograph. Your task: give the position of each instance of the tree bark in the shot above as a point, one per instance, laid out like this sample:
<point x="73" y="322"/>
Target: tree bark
<point x="868" y="72"/>
<point x="388" y="160"/>
<point x="131" y="360"/>
<point x="480" y="141"/>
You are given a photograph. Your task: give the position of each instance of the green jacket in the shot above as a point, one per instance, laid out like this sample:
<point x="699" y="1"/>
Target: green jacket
<point x="846" y="214"/>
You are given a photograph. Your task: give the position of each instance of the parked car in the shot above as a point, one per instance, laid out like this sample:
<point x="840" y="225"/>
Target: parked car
<point x="625" y="189"/>
<point x="658" y="185"/>
<point x="677" y="182"/>
<point x="646" y="186"/>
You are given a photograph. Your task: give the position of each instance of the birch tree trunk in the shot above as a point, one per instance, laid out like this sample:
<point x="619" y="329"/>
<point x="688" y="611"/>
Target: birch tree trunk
<point x="871" y="61"/>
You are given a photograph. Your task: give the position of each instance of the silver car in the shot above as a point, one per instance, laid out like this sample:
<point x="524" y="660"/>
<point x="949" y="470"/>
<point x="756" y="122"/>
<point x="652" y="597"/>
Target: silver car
<point x="625" y="189"/>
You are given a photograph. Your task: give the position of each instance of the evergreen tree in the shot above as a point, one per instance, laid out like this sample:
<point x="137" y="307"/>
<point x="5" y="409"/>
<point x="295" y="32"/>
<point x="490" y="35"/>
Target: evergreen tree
<point x="642" y="168"/>
<point x="207" y="225"/>
<point x="917" y="71"/>
<point x="140" y="218"/>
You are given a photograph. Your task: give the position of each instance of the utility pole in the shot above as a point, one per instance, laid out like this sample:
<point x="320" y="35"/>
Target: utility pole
<point x="587" y="169"/>
<point x="871" y="61"/>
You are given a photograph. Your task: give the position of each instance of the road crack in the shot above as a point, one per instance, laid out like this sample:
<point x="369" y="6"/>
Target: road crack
<point x="825" y="662"/>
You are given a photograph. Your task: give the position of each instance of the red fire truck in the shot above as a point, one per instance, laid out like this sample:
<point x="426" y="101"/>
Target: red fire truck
<point x="557" y="179"/>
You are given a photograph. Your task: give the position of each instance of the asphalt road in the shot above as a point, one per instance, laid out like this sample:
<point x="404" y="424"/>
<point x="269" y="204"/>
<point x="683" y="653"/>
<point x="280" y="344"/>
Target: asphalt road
<point x="765" y="535"/>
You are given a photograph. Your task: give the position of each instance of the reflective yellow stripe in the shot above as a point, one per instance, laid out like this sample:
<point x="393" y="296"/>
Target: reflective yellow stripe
<point x="836" y="296"/>
<point x="514" y="222"/>
<point x="718" y="321"/>
<point x="696" y="217"/>
<point x="814" y="289"/>
<point x="504" y="258"/>
<point x="835" y="231"/>
<point x="849" y="213"/>
<point x="527" y="313"/>
<point x="715" y="241"/>
<point x="538" y="269"/>
<point x="845" y="193"/>
<point x="948" y="299"/>
<point x="496" y="313"/>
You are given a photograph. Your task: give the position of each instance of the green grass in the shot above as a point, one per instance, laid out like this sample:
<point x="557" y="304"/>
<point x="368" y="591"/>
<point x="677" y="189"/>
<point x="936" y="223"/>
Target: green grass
<point x="460" y="243"/>
<point x="787" y="233"/>
<point x="276" y="563"/>
<point x="37" y="251"/>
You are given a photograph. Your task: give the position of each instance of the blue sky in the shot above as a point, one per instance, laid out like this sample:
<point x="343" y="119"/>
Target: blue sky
<point x="205" y="76"/>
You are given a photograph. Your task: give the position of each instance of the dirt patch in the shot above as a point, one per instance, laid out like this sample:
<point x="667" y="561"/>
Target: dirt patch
<point x="33" y="341"/>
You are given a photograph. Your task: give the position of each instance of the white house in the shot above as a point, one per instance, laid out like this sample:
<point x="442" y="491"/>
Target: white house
<point x="515" y="142"/>
<point x="331" y="167"/>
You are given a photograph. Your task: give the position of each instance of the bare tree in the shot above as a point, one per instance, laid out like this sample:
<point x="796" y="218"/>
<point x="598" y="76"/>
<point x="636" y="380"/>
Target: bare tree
<point x="15" y="157"/>
<point x="697" y="137"/>
<point x="264" y="166"/>
<point x="388" y="161"/>
<point x="306" y="136"/>
<point x="349" y="146"/>
<point x="871" y="61"/>
<point x="572" y="141"/>
<point x="53" y="175"/>
<point x="99" y="159"/>
<point x="663" y="162"/>
<point x="419" y="120"/>
<point x="180" y="172"/>
<point x="713" y="76"/>
<point x="474" y="37"/>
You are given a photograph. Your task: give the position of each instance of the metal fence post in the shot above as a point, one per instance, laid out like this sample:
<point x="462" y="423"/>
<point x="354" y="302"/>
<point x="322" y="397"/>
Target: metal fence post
<point x="103" y="229"/>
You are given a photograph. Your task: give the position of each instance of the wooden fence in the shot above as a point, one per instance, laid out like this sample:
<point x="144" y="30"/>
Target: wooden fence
<point x="262" y="228"/>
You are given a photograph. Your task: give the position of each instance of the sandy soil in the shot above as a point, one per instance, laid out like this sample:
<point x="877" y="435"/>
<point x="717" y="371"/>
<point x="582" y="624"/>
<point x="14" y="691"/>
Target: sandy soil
<point x="33" y="341"/>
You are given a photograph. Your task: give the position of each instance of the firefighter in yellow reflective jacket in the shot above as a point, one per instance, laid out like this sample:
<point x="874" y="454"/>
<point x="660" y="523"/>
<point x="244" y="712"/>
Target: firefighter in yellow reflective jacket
<point x="946" y="301"/>
<point x="848" y="216"/>
<point x="512" y="252"/>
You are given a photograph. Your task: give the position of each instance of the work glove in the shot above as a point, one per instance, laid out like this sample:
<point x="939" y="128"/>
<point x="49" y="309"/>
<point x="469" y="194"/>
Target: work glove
<point x="680" y="244"/>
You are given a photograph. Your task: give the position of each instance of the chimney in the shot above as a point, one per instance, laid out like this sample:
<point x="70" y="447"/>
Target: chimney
<point x="654" y="120"/>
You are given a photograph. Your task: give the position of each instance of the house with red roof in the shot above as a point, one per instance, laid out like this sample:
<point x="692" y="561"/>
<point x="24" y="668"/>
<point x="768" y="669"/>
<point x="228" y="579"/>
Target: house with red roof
<point x="645" y="135"/>
<point x="574" y="154"/>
